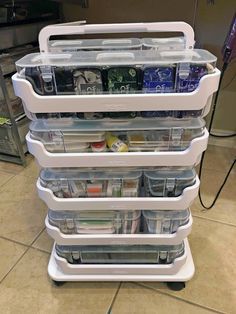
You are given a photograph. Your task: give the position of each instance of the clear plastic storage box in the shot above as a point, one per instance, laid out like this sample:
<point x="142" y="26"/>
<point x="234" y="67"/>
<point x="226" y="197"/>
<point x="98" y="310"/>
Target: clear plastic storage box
<point x="121" y="254"/>
<point x="165" y="182"/>
<point x="131" y="71"/>
<point x="57" y="46"/>
<point x="164" y="221"/>
<point x="100" y="136"/>
<point x="69" y="182"/>
<point x="95" y="222"/>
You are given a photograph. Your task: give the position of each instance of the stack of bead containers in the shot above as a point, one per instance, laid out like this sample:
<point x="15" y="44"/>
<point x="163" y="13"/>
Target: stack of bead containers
<point x="117" y="129"/>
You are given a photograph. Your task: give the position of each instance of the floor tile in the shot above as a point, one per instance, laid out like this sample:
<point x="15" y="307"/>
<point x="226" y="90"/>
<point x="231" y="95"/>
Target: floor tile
<point x="219" y="158"/>
<point x="213" y="285"/>
<point x="134" y="299"/>
<point x="224" y="209"/>
<point x="10" y="252"/>
<point x="4" y="177"/>
<point x="44" y="242"/>
<point x="27" y="289"/>
<point x="32" y="169"/>
<point x="10" y="167"/>
<point x="22" y="213"/>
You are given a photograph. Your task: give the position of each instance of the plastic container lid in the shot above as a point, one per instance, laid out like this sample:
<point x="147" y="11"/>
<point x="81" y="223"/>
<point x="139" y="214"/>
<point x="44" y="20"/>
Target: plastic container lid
<point x="116" y="58"/>
<point x="164" y="43"/>
<point x="93" y="215"/>
<point x="119" y="248"/>
<point x="184" y="174"/>
<point x="48" y="174"/>
<point x="95" y="44"/>
<point x="166" y="214"/>
<point x="100" y="125"/>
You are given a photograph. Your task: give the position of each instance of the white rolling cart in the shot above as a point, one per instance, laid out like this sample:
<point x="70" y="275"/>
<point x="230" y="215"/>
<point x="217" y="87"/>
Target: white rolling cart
<point x="138" y="233"/>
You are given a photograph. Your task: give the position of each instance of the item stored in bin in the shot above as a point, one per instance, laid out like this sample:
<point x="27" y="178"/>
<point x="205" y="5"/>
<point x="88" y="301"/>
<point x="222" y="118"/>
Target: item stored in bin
<point x="99" y="146"/>
<point x="87" y="81"/>
<point x="122" y="79"/>
<point x="115" y="144"/>
<point x="189" y="75"/>
<point x="166" y="183"/>
<point x="121" y="254"/>
<point x="164" y="221"/>
<point x="74" y="182"/>
<point x="159" y="79"/>
<point x="95" y="222"/>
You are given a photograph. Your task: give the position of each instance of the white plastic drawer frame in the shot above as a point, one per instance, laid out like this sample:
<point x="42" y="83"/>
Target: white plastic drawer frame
<point x="181" y="270"/>
<point x="196" y="100"/>
<point x="188" y="157"/>
<point x="119" y="203"/>
<point x="119" y="239"/>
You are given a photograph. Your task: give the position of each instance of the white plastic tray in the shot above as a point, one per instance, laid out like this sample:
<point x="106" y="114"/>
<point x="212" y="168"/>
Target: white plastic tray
<point x="119" y="203"/>
<point x="181" y="270"/>
<point x="195" y="100"/>
<point x="114" y="239"/>
<point x="188" y="157"/>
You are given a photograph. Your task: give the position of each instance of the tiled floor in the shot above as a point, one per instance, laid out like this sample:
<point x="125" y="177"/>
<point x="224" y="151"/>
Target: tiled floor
<point x="25" y="246"/>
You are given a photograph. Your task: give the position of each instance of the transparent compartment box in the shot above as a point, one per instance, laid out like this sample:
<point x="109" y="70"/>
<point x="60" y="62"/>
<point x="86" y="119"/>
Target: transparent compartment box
<point x="101" y="136"/>
<point x="95" y="222"/>
<point x="56" y="46"/>
<point x="167" y="43"/>
<point x="74" y="182"/>
<point x="121" y="254"/>
<point x="168" y="183"/>
<point x="164" y="221"/>
<point x="127" y="72"/>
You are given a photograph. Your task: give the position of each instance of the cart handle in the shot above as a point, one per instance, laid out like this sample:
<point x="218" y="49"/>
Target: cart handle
<point x="80" y="28"/>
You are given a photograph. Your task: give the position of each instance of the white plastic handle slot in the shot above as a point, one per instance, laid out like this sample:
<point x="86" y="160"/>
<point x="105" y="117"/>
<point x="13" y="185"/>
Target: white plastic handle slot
<point x="73" y="28"/>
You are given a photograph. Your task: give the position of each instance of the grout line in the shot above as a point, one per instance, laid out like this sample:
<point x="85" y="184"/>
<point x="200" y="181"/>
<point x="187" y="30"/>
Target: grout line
<point x="15" y="241"/>
<point x="214" y="220"/>
<point x="19" y="259"/>
<point x="114" y="299"/>
<point x="15" y="264"/>
<point x="40" y="250"/>
<point x="180" y="299"/>
<point x="3" y="185"/>
<point x="37" y="236"/>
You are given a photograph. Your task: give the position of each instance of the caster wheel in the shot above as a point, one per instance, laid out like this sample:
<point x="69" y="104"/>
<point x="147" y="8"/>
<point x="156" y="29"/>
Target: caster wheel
<point x="176" y="286"/>
<point x="58" y="283"/>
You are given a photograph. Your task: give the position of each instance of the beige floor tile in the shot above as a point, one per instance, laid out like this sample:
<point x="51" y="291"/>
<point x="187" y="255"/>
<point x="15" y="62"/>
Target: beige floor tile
<point x="219" y="158"/>
<point x="44" y="242"/>
<point x="10" y="167"/>
<point x="213" y="285"/>
<point x="32" y="168"/>
<point x="10" y="252"/>
<point x="27" y="289"/>
<point x="225" y="207"/>
<point x="22" y="213"/>
<point x="134" y="299"/>
<point x="4" y="177"/>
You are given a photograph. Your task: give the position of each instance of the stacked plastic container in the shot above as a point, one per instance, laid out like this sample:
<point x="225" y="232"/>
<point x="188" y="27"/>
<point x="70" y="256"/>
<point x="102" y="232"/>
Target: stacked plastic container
<point x="117" y="128"/>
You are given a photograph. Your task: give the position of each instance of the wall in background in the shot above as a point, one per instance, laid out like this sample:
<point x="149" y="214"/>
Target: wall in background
<point x="211" y="26"/>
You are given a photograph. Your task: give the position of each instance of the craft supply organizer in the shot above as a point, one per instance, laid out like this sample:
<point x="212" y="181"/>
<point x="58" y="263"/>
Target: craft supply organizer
<point x="117" y="129"/>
